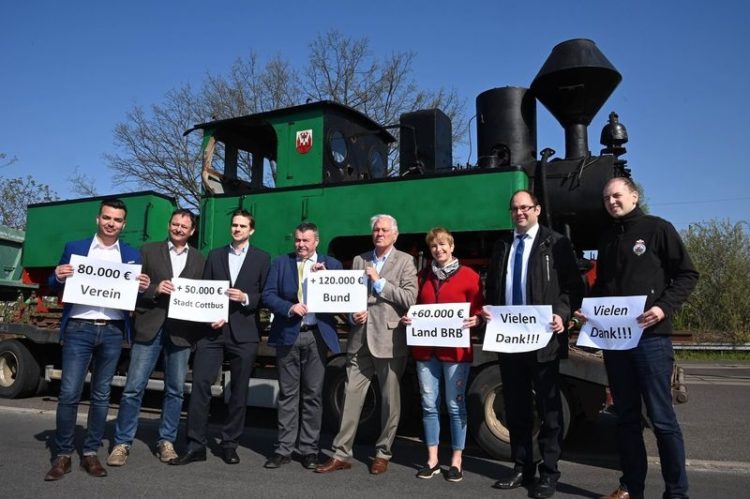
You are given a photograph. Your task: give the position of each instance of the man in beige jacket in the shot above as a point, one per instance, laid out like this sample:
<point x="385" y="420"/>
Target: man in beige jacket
<point x="377" y="345"/>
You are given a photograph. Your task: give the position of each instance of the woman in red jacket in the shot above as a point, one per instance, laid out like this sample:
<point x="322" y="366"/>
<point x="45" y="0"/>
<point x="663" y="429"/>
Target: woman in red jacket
<point x="446" y="281"/>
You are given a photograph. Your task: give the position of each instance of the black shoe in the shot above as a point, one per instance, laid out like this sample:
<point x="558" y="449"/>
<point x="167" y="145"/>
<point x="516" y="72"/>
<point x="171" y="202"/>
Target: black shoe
<point x="513" y="481"/>
<point x="229" y="455"/>
<point x="426" y="472"/>
<point x="190" y="456"/>
<point x="310" y="461"/>
<point x="545" y="488"/>
<point x="454" y="474"/>
<point x="277" y="460"/>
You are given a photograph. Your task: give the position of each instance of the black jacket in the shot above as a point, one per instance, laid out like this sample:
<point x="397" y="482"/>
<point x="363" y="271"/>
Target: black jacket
<point x="552" y="279"/>
<point x="641" y="254"/>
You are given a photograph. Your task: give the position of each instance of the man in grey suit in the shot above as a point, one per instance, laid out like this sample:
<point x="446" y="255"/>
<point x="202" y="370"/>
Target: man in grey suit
<point x="156" y="335"/>
<point x="377" y="345"/>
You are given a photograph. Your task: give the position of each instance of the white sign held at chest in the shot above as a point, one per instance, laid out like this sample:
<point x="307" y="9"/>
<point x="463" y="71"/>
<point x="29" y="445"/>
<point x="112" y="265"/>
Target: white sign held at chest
<point x="199" y="300"/>
<point x="102" y="283"/>
<point x="336" y="291"/>
<point x="518" y="328"/>
<point x="611" y="322"/>
<point x="438" y="325"/>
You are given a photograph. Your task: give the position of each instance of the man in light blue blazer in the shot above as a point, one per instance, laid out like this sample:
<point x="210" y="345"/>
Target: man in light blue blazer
<point x="302" y="340"/>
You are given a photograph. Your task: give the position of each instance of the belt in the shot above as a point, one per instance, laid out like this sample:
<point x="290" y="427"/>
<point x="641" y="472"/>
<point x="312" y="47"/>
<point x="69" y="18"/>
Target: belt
<point x="98" y="322"/>
<point x="305" y="328"/>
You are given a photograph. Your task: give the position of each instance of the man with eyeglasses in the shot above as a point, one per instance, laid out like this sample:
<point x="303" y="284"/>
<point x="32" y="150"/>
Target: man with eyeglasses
<point x="534" y="266"/>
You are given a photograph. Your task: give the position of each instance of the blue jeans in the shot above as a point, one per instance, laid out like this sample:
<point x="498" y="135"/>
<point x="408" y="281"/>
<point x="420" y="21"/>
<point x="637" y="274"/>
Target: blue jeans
<point x="143" y="359"/>
<point x="455" y="375"/>
<point x="645" y="372"/>
<point x="85" y="343"/>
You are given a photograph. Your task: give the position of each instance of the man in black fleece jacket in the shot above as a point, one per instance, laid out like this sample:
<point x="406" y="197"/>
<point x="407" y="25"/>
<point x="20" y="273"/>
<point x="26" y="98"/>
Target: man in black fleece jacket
<point x="641" y="254"/>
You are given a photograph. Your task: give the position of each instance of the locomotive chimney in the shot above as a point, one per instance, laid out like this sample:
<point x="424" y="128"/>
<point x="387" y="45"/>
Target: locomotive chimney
<point x="573" y="84"/>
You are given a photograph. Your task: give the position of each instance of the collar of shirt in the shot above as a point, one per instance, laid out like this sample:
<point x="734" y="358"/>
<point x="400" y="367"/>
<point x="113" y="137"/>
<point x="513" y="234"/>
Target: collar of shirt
<point x="241" y="251"/>
<point x="312" y="258"/>
<point x="383" y="258"/>
<point x="96" y="243"/>
<point x="530" y="234"/>
<point x="173" y="248"/>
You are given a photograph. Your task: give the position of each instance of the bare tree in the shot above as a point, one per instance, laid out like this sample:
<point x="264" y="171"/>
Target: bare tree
<point x="154" y="154"/>
<point x="17" y="193"/>
<point x="5" y="160"/>
<point x="82" y="184"/>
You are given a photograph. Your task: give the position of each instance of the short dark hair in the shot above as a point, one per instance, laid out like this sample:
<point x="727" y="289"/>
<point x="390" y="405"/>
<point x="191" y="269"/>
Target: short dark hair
<point x="115" y="203"/>
<point x="242" y="212"/>
<point x="305" y="226"/>
<point x="520" y="191"/>
<point x="183" y="212"/>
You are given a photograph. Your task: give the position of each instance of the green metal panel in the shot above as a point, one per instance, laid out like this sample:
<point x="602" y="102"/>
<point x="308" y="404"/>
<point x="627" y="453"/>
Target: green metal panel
<point x="11" y="242"/>
<point x="50" y="225"/>
<point x="477" y="201"/>
<point x="293" y="168"/>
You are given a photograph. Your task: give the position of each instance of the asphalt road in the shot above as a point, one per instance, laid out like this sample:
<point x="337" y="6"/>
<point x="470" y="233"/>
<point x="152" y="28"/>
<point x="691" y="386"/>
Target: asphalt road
<point x="713" y="422"/>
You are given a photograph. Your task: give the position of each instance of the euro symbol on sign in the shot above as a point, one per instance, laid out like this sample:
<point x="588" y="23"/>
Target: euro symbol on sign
<point x="127" y="275"/>
<point x="219" y="290"/>
<point x="361" y="279"/>
<point x="460" y="314"/>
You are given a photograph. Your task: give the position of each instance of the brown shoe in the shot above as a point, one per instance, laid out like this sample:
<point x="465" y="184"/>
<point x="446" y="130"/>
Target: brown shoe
<point x="379" y="466"/>
<point x="333" y="464"/>
<point x="60" y="466"/>
<point x="92" y="466"/>
<point x="622" y="493"/>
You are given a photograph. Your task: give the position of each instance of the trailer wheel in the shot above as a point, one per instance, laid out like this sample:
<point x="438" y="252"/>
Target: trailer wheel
<point x="19" y="371"/>
<point x="333" y="403"/>
<point x="486" y="413"/>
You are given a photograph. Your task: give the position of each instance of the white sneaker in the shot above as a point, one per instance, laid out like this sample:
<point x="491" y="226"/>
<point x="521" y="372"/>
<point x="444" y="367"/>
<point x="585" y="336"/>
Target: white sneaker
<point x="119" y="455"/>
<point x="165" y="451"/>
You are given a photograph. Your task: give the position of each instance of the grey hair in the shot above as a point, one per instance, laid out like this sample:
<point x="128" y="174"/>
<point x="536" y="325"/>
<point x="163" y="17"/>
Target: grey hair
<point x="374" y="220"/>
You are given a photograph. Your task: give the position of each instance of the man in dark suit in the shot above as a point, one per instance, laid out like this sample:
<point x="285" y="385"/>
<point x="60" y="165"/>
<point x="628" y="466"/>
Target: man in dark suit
<point x="156" y="335"/>
<point x="302" y="340"/>
<point x="534" y="266"/>
<point x="246" y="268"/>
<point x="376" y="347"/>
<point x="90" y="335"/>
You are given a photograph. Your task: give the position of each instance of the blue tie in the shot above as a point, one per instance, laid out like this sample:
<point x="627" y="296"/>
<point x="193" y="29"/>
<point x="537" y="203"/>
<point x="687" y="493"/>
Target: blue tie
<point x="517" y="271"/>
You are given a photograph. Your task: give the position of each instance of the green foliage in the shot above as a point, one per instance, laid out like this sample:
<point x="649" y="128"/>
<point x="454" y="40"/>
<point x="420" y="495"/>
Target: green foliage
<point x="718" y="308"/>
<point x="17" y="193"/>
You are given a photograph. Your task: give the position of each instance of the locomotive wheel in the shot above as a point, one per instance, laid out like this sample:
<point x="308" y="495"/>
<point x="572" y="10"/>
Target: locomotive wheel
<point x="486" y="413"/>
<point x="333" y="403"/>
<point x="19" y="371"/>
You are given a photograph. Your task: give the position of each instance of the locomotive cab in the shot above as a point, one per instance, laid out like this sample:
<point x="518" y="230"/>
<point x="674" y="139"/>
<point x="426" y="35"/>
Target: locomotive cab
<point x="316" y="143"/>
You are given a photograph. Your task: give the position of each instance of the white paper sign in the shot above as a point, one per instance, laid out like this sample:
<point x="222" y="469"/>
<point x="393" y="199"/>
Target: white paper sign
<point x="438" y="325"/>
<point x="199" y="300"/>
<point x="518" y="328"/>
<point x="611" y="322"/>
<point x="101" y="283"/>
<point x="336" y="291"/>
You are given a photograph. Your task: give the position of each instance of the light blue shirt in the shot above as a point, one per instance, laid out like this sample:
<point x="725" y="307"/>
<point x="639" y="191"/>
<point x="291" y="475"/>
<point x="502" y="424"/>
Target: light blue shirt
<point x="378" y="264"/>
<point x="235" y="259"/>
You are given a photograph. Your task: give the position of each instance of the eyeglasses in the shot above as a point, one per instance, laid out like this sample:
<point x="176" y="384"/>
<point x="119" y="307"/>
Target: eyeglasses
<point x="522" y="209"/>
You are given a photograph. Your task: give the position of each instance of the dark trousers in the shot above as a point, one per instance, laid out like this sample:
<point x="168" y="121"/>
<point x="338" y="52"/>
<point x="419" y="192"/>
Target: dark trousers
<point x="645" y="372"/>
<point x="209" y="354"/>
<point x="300" y="410"/>
<point x="525" y="377"/>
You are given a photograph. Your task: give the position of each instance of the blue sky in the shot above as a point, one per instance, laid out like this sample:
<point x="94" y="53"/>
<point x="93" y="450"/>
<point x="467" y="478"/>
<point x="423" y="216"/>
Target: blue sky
<point x="70" y="71"/>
